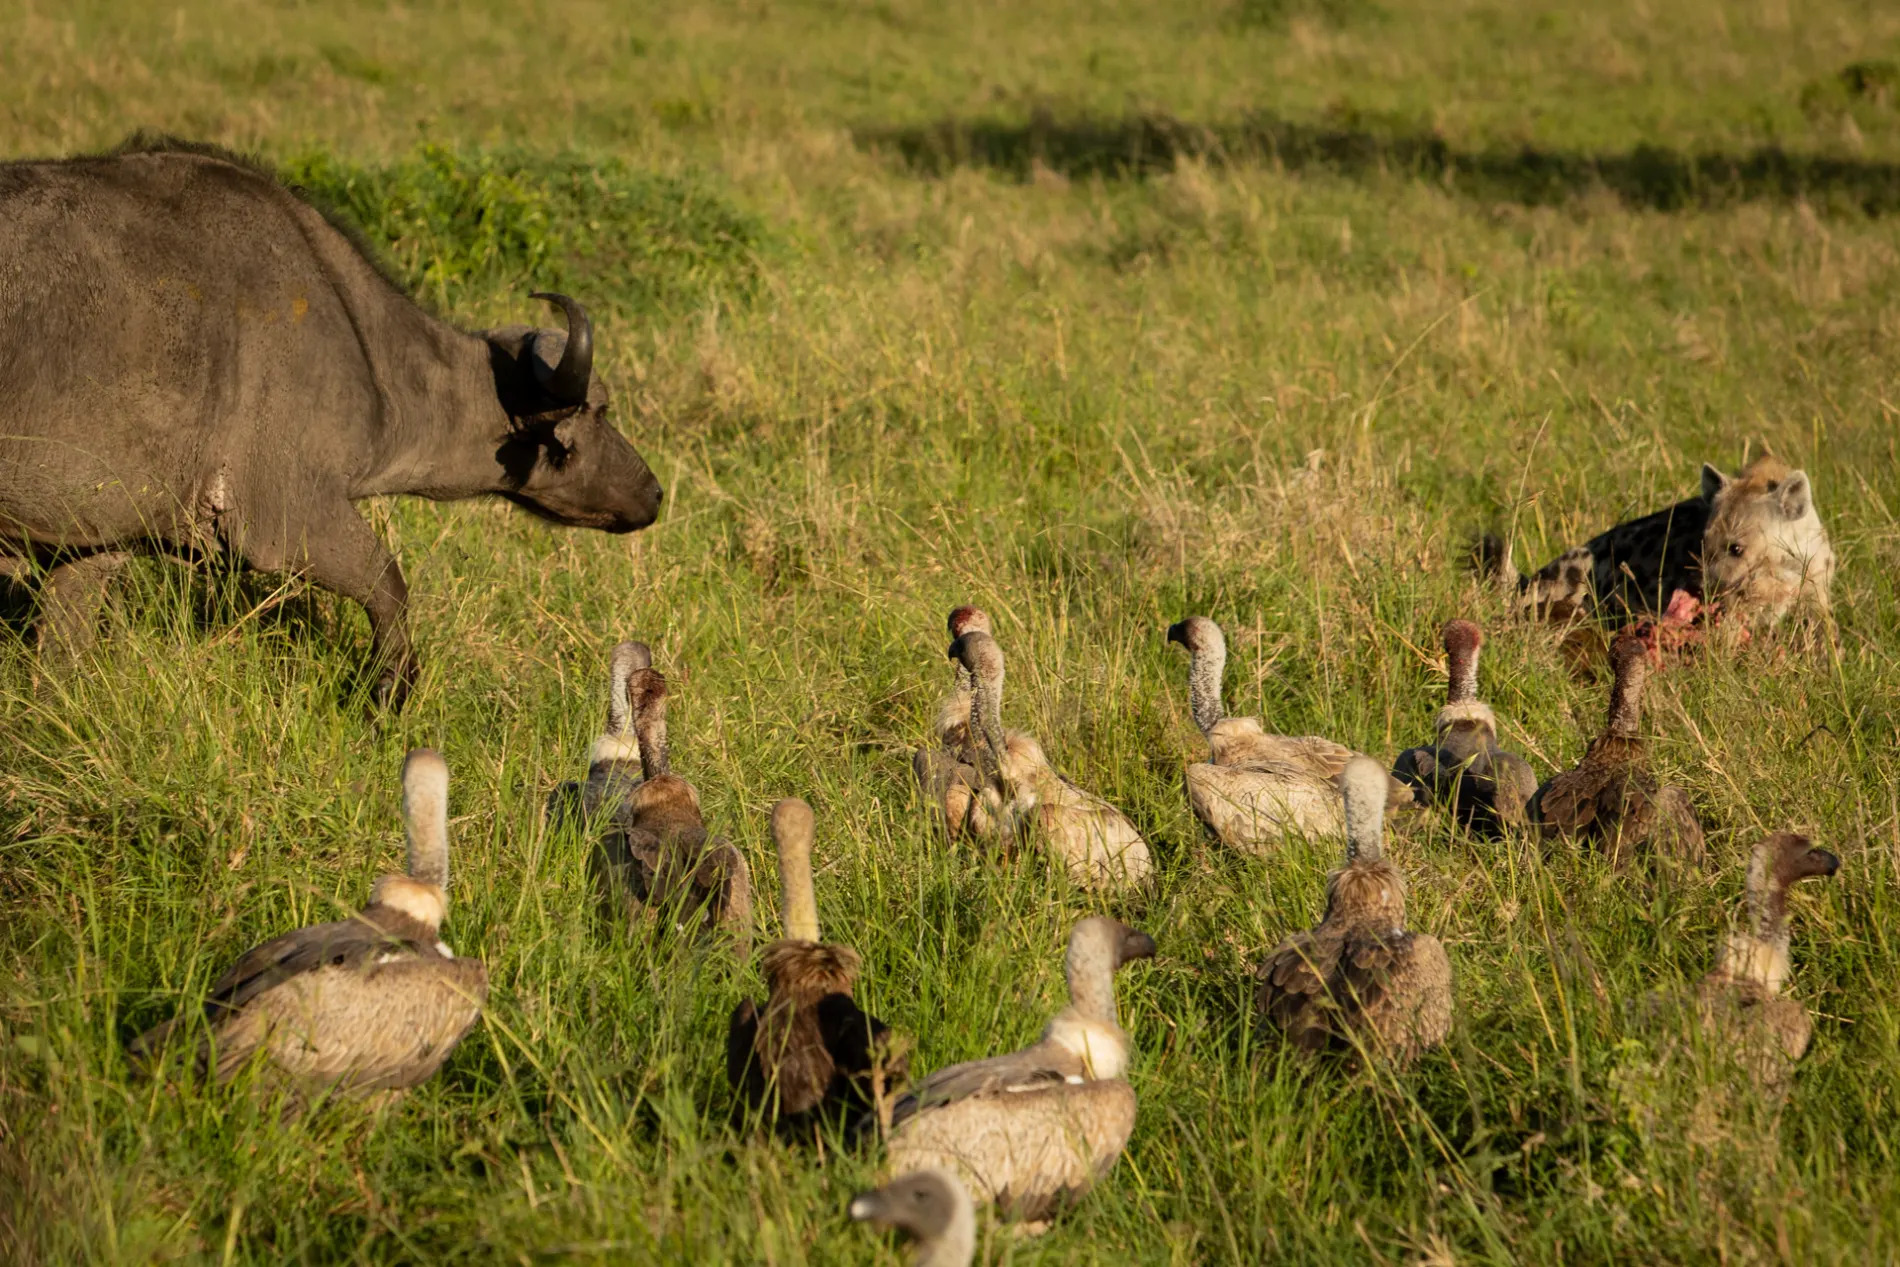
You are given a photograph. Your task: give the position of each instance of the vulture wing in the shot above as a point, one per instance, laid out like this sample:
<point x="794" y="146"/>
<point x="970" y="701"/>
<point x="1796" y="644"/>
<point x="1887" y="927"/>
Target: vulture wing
<point x="1294" y="992"/>
<point x="1043" y="1065"/>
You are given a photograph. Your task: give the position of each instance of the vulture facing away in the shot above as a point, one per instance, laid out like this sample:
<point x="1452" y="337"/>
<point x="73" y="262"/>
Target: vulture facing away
<point x="365" y="1007"/>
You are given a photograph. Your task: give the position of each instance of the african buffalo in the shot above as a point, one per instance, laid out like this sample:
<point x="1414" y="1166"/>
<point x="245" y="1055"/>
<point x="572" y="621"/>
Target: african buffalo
<point x="195" y="361"/>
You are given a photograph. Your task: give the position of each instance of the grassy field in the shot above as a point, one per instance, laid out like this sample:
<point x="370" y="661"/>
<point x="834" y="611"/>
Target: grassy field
<point x="1095" y="316"/>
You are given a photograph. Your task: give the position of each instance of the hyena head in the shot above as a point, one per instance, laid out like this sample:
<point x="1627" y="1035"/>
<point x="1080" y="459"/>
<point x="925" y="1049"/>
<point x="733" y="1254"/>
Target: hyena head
<point x="1764" y="549"/>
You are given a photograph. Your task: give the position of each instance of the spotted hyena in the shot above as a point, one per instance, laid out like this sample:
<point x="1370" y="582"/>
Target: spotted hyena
<point x="1751" y="543"/>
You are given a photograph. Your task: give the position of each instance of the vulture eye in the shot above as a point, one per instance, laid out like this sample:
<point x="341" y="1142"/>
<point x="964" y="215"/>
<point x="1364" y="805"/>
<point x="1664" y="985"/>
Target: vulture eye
<point x="1735" y="550"/>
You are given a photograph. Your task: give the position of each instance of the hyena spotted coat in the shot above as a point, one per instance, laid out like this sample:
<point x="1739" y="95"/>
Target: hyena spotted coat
<point x="1751" y="543"/>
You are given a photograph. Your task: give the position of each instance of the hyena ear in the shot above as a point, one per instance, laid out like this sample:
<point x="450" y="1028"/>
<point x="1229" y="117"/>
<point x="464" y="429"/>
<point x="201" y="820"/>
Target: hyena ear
<point x="1794" y="497"/>
<point x="1713" y="482"/>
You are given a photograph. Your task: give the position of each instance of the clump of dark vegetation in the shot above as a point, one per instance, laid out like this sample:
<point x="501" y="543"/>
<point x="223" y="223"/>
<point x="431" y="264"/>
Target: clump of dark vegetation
<point x="451" y="221"/>
<point x="1275" y="15"/>
<point x="1871" y="87"/>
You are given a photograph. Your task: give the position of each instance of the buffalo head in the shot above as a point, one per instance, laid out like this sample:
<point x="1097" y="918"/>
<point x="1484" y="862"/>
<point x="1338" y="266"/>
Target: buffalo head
<point x="562" y="458"/>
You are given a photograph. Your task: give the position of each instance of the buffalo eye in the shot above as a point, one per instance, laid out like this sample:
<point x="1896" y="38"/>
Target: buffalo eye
<point x="1735" y="550"/>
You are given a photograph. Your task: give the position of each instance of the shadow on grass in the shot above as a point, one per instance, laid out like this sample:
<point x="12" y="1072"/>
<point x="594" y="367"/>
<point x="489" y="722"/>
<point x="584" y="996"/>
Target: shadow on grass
<point x="1140" y="145"/>
<point x="206" y="597"/>
<point x="18" y="607"/>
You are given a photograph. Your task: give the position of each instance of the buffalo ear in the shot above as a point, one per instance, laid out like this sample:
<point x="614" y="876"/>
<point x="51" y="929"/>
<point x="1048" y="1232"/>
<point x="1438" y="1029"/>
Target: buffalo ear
<point x="1794" y="497"/>
<point x="1713" y="482"/>
<point x="511" y="360"/>
<point x="509" y="342"/>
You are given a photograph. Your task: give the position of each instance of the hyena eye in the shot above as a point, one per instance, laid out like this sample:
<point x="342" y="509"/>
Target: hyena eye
<point x="1735" y="550"/>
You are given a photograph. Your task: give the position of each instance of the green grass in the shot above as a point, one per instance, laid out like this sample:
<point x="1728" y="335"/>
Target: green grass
<point x="1096" y="316"/>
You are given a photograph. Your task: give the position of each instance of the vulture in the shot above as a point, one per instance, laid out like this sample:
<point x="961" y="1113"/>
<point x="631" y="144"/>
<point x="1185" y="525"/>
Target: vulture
<point x="929" y="1206"/>
<point x="1359" y="980"/>
<point x="1487" y="787"/>
<point x="1094" y="841"/>
<point x="1256" y="788"/>
<point x="1612" y="798"/>
<point x="1740" y="1005"/>
<point x="654" y="852"/>
<point x="613" y="767"/>
<point x="365" y="1007"/>
<point x="947" y="769"/>
<point x="1031" y="1130"/>
<point x="810" y="1052"/>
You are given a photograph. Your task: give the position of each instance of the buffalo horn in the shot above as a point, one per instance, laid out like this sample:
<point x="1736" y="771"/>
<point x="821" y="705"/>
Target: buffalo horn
<point x="567" y="382"/>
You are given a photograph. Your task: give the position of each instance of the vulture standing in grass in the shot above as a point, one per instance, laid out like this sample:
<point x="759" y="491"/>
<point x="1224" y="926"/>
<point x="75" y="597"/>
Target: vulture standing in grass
<point x="1487" y="787"/>
<point x="1359" y="980"/>
<point x="654" y="851"/>
<point x="368" y="1006"/>
<point x="1256" y="788"/>
<point x="811" y="1051"/>
<point x="613" y="767"/>
<point x="1034" y="1129"/>
<point x="947" y="770"/>
<point x="929" y="1206"/>
<point x="1092" y="839"/>
<point x="1612" y="798"/>
<point x="1740" y="1005"/>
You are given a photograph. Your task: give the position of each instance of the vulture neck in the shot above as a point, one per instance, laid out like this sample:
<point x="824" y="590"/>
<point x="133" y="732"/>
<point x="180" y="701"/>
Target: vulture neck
<point x="1205" y="666"/>
<point x="1365" y="830"/>
<point x="619" y="710"/>
<point x="1090" y="970"/>
<point x="986" y="711"/>
<point x="1462" y="666"/>
<point x="650" y="729"/>
<point x="425" y="813"/>
<point x="800" y="898"/>
<point x="1626" y="699"/>
<point x="955" y="1246"/>
<point x="1760" y="954"/>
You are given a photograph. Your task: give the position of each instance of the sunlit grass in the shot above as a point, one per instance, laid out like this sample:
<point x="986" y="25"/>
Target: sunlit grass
<point x="1284" y="395"/>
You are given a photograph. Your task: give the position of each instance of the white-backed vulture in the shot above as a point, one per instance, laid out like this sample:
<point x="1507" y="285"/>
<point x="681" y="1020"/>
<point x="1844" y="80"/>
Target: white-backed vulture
<point x="811" y="1050"/>
<point x="929" y="1206"/>
<point x="1256" y="788"/>
<point x="1031" y="1130"/>
<point x="613" y="764"/>
<point x="1464" y="765"/>
<point x="947" y="768"/>
<point x="1360" y="980"/>
<point x="654" y="851"/>
<point x="1094" y="841"/>
<point x="1740" y="1004"/>
<point x="367" y="1006"/>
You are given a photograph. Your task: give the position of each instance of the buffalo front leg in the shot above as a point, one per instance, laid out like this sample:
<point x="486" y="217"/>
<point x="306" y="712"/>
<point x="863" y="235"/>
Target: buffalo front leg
<point x="70" y="599"/>
<point x="342" y="553"/>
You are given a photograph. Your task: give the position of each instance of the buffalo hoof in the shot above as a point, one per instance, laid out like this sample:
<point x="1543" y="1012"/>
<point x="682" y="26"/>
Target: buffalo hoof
<point x="392" y="687"/>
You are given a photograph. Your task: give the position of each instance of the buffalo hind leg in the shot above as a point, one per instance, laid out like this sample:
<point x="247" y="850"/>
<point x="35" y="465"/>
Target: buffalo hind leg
<point x="70" y="599"/>
<point x="343" y="554"/>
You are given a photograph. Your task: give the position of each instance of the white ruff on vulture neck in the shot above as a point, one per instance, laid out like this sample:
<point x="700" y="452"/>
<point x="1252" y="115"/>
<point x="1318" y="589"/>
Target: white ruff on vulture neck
<point x="424" y="903"/>
<point x="1101" y="1046"/>
<point x="1467" y="711"/>
<point x="1764" y="961"/>
<point x="612" y="747"/>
